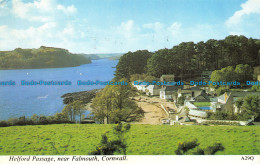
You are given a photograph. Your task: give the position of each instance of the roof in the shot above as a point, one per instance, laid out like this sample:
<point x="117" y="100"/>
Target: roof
<point x="168" y="76"/>
<point x="193" y="89"/>
<point x="242" y="94"/>
<point x="222" y="97"/>
<point x="197" y="113"/>
<point x="172" y="88"/>
<point x="237" y="95"/>
<point x="203" y="94"/>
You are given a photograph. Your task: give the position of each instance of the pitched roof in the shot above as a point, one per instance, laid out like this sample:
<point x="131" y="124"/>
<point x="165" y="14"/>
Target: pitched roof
<point x="172" y="88"/>
<point x="193" y="89"/>
<point x="203" y="94"/>
<point x="167" y="76"/>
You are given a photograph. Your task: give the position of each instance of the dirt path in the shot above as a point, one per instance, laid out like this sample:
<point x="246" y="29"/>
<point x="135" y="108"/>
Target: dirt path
<point x="153" y="113"/>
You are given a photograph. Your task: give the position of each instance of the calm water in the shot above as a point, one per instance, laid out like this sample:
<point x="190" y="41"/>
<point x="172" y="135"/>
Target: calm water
<point x="16" y="101"/>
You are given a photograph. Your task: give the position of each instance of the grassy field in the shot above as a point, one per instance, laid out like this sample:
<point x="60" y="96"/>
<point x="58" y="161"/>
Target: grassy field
<point x="142" y="139"/>
<point x="200" y="104"/>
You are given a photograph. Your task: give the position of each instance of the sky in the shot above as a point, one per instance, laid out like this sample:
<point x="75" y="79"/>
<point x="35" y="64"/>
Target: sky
<point x="118" y="26"/>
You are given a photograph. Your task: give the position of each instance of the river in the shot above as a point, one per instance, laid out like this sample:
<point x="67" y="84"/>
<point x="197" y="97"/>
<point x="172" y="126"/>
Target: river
<point x="25" y="100"/>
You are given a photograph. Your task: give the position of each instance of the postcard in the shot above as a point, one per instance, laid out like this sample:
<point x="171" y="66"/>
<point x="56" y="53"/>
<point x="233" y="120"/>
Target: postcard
<point x="129" y="81"/>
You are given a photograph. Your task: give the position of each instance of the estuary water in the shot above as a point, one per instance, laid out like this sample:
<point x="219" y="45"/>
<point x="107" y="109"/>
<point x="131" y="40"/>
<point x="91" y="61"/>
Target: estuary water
<point x="25" y="100"/>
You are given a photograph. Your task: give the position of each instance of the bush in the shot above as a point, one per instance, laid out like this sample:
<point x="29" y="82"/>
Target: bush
<point x="255" y="88"/>
<point x="211" y="150"/>
<point x="3" y="124"/>
<point x="186" y="146"/>
<point x="35" y="120"/>
<point x="110" y="147"/>
<point x="43" y="120"/>
<point x="220" y="115"/>
<point x="219" y="123"/>
<point x="12" y="121"/>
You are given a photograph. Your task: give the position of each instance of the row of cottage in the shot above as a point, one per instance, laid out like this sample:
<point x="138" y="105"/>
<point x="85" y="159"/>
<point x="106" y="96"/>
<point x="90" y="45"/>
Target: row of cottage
<point x="192" y="94"/>
<point x="172" y="92"/>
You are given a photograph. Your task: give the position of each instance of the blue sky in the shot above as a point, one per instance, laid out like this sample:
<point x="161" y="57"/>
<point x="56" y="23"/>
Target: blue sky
<point x="107" y="26"/>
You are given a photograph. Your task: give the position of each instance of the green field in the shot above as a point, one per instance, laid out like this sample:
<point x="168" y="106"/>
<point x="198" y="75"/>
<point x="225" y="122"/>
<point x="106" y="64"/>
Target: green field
<point x="142" y="139"/>
<point x="200" y="104"/>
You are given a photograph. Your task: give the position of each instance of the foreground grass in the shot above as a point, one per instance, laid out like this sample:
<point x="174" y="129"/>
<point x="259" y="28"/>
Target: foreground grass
<point x="141" y="140"/>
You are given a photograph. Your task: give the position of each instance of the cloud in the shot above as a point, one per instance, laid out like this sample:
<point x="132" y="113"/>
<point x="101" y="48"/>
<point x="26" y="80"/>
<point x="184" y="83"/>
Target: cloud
<point x="67" y="10"/>
<point x="84" y="38"/>
<point x="127" y="29"/>
<point x="4" y="10"/>
<point x="175" y="28"/>
<point x="41" y="10"/>
<point x="27" y="38"/>
<point x="2" y="3"/>
<point x="249" y="7"/>
<point x="157" y="26"/>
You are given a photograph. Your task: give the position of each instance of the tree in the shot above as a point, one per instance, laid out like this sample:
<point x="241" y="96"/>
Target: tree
<point x="44" y="57"/>
<point x="72" y="109"/>
<point x="239" y="104"/>
<point x="61" y="118"/>
<point x="35" y="118"/>
<point x="244" y="73"/>
<point x="102" y="104"/>
<point x="113" y="103"/>
<point x="67" y="111"/>
<point x="132" y="63"/>
<point x="117" y="145"/>
<point x="251" y="106"/>
<point x="78" y="108"/>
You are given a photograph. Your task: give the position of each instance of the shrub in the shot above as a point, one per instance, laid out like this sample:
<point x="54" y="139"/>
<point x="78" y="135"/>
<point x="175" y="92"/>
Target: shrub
<point x="3" y="124"/>
<point x="43" y="120"/>
<point x="110" y="147"/>
<point x="211" y="150"/>
<point x="186" y="146"/>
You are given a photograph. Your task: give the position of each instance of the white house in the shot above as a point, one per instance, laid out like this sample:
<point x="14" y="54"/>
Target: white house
<point x="140" y="87"/>
<point x="226" y="102"/>
<point x="168" y="91"/>
<point x="153" y="90"/>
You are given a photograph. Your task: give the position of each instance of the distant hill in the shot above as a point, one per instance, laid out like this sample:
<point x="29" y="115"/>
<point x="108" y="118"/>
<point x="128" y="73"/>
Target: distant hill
<point x="91" y="56"/>
<point x="110" y="56"/>
<point x="44" y="57"/>
<point x="115" y="57"/>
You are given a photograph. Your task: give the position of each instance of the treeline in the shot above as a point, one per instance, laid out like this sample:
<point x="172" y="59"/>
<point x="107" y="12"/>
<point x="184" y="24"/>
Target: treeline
<point x="58" y="118"/>
<point x="74" y="106"/>
<point x="132" y="63"/>
<point x="189" y="59"/>
<point x="241" y="73"/>
<point x="44" y="57"/>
